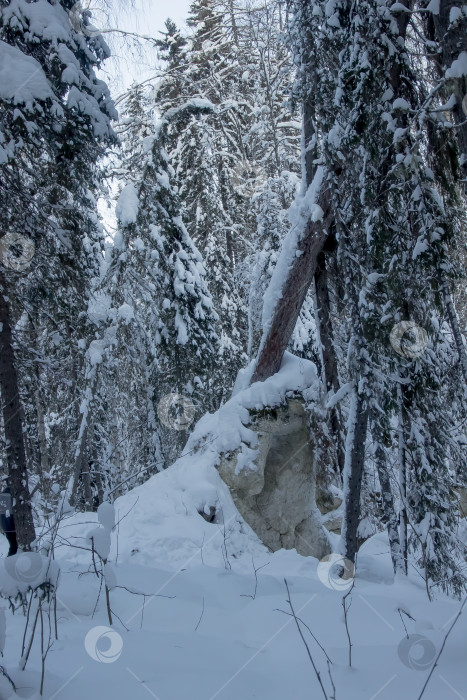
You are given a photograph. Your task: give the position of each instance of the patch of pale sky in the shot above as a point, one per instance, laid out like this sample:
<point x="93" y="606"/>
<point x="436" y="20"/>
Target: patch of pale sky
<point x="135" y="60"/>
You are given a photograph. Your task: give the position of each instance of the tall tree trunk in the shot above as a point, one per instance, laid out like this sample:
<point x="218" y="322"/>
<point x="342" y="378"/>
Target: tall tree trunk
<point x="387" y="498"/>
<point x="353" y="473"/>
<point x="330" y="369"/>
<point x="452" y="40"/>
<point x="81" y="457"/>
<point x="455" y="327"/>
<point x="81" y="468"/>
<point x="13" y="426"/>
<point x="324" y="320"/>
<point x="402" y="479"/>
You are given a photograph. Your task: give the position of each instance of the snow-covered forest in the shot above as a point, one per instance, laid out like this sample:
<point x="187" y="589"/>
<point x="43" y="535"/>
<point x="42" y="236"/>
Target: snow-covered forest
<point x="233" y="351"/>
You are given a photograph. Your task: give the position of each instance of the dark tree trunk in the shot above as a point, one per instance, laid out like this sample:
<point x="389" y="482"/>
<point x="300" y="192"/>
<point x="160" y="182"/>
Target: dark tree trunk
<point x="13" y="427"/>
<point x="309" y="138"/>
<point x="452" y="39"/>
<point x="353" y="474"/>
<point x="455" y="326"/>
<point x="387" y="498"/>
<point x="403" y="518"/>
<point x="82" y="471"/>
<point x="330" y="369"/>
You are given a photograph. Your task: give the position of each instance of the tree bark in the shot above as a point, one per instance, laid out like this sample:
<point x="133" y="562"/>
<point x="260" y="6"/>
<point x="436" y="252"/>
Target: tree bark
<point x="455" y="326"/>
<point x="13" y="427"/>
<point x="403" y="519"/>
<point x="353" y="473"/>
<point x="330" y="369"/>
<point x="294" y="290"/>
<point x="387" y="498"/>
<point x="81" y="462"/>
<point x="452" y="40"/>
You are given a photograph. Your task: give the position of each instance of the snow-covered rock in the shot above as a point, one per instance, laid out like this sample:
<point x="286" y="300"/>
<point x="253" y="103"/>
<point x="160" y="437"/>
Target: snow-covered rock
<point x="277" y="497"/>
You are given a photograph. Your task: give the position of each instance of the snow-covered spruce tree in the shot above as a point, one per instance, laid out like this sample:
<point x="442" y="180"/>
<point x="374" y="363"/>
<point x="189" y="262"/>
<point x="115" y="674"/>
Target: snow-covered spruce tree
<point x="394" y="232"/>
<point x="199" y="152"/>
<point x="210" y="226"/>
<point x="185" y="333"/>
<point x="222" y="160"/>
<point x="157" y="335"/>
<point x="443" y="35"/>
<point x="273" y="128"/>
<point x="55" y="124"/>
<point x="270" y="234"/>
<point x="136" y="123"/>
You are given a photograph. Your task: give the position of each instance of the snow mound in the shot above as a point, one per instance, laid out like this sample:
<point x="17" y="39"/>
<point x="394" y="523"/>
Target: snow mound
<point x="127" y="205"/>
<point x="185" y="515"/>
<point x="161" y="523"/>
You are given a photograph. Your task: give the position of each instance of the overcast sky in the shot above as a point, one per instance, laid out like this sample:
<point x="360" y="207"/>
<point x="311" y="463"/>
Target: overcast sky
<point x="132" y="63"/>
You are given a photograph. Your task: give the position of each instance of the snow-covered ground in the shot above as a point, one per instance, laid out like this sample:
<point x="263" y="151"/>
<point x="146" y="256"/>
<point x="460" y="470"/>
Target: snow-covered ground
<point x="206" y="629"/>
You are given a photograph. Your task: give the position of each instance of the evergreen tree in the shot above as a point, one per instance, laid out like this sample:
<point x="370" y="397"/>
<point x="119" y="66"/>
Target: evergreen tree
<point x="55" y="125"/>
<point x="393" y="230"/>
<point x="157" y="335"/>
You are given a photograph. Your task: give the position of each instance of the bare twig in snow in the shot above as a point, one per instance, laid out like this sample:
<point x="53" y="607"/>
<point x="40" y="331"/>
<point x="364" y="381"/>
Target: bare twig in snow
<point x="318" y="674"/>
<point x="248" y="595"/>
<point x="400" y="611"/>
<point x="459" y="613"/>
<point x="346" y="610"/>
<point x="200" y="617"/>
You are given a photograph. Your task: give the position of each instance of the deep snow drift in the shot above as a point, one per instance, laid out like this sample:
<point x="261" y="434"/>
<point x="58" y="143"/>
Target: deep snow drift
<point x="208" y="629"/>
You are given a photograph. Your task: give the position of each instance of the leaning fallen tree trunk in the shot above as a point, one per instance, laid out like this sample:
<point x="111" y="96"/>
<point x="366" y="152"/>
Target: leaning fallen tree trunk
<point x="294" y="290"/>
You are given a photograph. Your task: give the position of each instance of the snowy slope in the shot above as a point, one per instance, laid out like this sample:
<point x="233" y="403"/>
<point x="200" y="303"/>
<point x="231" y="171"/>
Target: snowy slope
<point x="192" y="617"/>
<point x="211" y="637"/>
